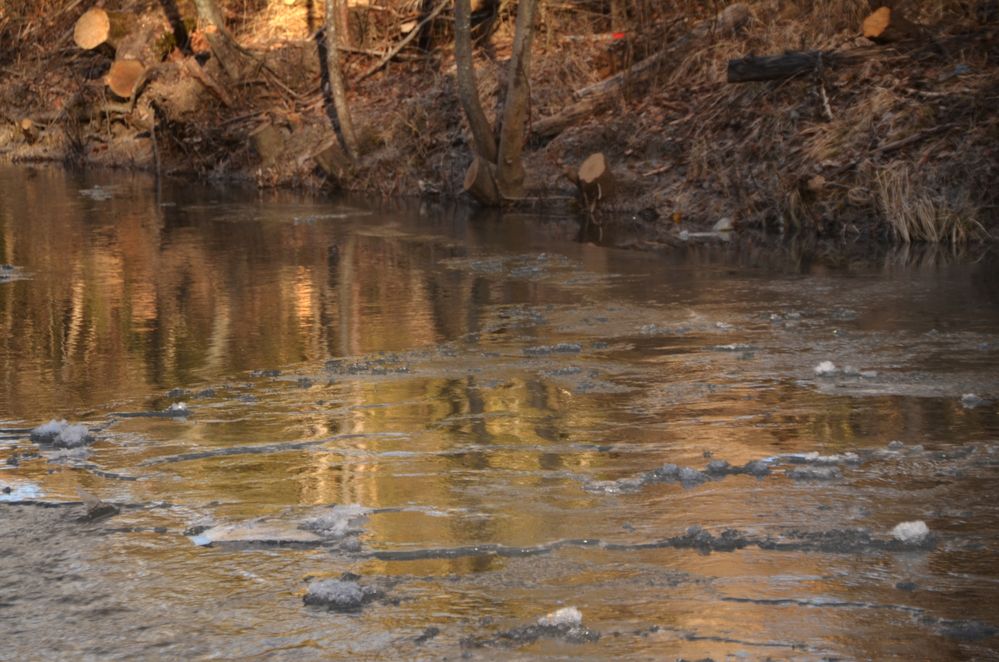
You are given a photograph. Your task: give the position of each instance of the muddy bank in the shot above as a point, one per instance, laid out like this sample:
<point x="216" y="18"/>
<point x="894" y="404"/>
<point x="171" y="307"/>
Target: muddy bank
<point x="891" y="138"/>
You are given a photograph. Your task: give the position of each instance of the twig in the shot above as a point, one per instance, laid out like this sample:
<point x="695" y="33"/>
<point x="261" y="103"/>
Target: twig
<point x="657" y="171"/>
<point x="404" y="41"/>
<point x="820" y="74"/>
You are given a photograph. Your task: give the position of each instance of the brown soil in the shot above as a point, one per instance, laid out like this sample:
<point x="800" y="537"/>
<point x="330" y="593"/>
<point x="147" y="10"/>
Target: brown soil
<point x="902" y="143"/>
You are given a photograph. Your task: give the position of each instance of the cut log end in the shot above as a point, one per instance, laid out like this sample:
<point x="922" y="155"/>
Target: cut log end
<point x="29" y="130"/>
<point x="885" y="25"/>
<point x="877" y="23"/>
<point x="595" y="180"/>
<point x="480" y="182"/>
<point x="92" y="29"/>
<point x="125" y="77"/>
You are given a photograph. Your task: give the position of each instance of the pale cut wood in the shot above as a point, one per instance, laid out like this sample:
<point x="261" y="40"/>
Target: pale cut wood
<point x="29" y="130"/>
<point x="877" y="22"/>
<point x="98" y="26"/>
<point x="125" y="77"/>
<point x="885" y="25"/>
<point x="595" y="180"/>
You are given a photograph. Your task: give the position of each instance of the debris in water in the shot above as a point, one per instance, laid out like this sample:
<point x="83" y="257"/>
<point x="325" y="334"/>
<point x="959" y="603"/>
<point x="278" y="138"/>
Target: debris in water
<point x="97" y="510"/>
<point x="61" y="434"/>
<point x="427" y="635"/>
<point x="911" y="532"/>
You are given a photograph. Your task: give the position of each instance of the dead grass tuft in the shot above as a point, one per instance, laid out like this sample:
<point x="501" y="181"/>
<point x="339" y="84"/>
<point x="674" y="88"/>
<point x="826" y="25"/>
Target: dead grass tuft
<point x="916" y="213"/>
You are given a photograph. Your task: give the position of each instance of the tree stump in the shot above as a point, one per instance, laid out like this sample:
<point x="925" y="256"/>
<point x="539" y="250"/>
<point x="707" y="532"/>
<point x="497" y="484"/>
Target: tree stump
<point x="333" y="160"/>
<point x="268" y="140"/>
<point x="480" y="182"/>
<point x="885" y="25"/>
<point x="595" y="180"/>
<point x="125" y="77"/>
<point x="29" y="130"/>
<point x="98" y="26"/>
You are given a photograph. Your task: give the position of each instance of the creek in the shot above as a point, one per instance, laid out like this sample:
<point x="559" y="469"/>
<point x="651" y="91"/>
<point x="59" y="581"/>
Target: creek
<point x="472" y="422"/>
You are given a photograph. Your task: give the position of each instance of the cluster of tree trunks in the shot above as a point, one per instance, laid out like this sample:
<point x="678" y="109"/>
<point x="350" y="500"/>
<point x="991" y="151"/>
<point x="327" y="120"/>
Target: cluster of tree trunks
<point x="136" y="45"/>
<point x="497" y="172"/>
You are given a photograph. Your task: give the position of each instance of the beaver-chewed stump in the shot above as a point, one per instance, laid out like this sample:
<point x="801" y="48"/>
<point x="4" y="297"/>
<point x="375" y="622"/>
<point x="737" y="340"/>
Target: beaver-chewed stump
<point x="595" y="181"/>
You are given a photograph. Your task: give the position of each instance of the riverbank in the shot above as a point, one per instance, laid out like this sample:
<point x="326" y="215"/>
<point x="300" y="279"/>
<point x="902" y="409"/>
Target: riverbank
<point x="881" y="140"/>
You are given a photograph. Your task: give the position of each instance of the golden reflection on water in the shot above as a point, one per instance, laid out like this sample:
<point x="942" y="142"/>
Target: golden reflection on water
<point x="470" y="442"/>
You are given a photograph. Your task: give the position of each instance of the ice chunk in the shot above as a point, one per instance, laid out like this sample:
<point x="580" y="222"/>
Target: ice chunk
<point x="340" y="521"/>
<point x="970" y="401"/>
<point x="61" y="434"/>
<point x="339" y="595"/>
<point x="689" y="476"/>
<point x="564" y="617"/>
<point x="914" y="532"/>
<point x="73" y="436"/>
<point x="47" y="432"/>
<point x="825" y="368"/>
<point x="257" y="532"/>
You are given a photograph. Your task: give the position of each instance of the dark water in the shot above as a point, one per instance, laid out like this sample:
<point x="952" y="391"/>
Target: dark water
<point x="490" y="407"/>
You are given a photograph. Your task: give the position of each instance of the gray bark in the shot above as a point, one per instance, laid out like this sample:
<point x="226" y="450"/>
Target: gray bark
<point x="337" y="89"/>
<point x="516" y="113"/>
<point x="468" y="91"/>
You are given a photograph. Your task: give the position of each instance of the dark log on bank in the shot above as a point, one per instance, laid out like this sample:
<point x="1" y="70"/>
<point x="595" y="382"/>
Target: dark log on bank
<point x="776" y="67"/>
<point x="789" y="65"/>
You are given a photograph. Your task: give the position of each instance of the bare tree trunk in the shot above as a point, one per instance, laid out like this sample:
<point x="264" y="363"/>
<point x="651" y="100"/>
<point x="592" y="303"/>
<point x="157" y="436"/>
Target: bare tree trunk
<point x="344" y="16"/>
<point x="468" y="90"/>
<point x="224" y="46"/>
<point x="510" y="168"/>
<point x="337" y="90"/>
<point x="208" y="12"/>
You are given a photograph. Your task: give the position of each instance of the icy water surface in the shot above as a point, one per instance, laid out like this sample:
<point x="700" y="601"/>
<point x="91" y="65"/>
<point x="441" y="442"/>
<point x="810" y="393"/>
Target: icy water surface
<point x="338" y="432"/>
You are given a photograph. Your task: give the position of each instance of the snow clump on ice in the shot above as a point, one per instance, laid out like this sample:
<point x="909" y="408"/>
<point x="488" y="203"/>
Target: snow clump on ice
<point x="564" y="617"/>
<point x="911" y="531"/>
<point x="825" y="368"/>
<point x="61" y="434"/>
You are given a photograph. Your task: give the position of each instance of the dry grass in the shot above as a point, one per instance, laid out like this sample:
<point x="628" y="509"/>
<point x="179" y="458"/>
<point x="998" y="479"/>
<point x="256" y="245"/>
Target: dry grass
<point x="916" y="213"/>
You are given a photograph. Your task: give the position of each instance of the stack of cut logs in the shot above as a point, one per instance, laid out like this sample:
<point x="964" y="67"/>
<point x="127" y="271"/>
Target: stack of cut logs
<point x="132" y="42"/>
